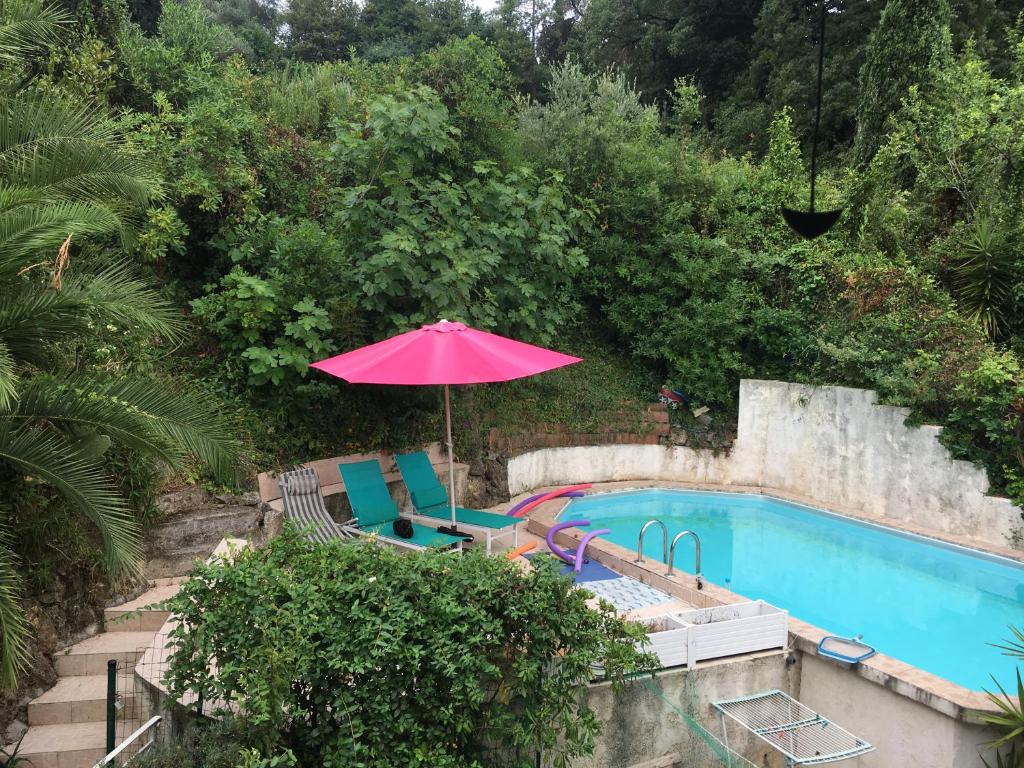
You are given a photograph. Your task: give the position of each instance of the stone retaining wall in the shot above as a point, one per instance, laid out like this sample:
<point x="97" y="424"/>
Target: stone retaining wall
<point x="625" y="428"/>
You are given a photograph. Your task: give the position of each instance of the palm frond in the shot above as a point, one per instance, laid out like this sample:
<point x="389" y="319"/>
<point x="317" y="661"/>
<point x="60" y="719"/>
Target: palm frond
<point x="76" y="409"/>
<point x="1013" y="647"/>
<point x="14" y="625"/>
<point x="184" y="417"/>
<point x="65" y="168"/>
<point x="30" y="231"/>
<point x="47" y="455"/>
<point x="8" y="376"/>
<point x="32" y="316"/>
<point x="151" y="416"/>
<point x="26" y="25"/>
<point x="27" y="118"/>
<point x="71" y="150"/>
<point x="117" y="295"/>
<point x="1009" y="720"/>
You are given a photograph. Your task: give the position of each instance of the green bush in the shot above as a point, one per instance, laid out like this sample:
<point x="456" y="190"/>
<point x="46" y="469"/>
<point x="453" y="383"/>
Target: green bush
<point x="353" y="654"/>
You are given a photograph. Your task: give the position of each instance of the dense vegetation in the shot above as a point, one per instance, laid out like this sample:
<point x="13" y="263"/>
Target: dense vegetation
<point x="354" y="654"/>
<point x="257" y="188"/>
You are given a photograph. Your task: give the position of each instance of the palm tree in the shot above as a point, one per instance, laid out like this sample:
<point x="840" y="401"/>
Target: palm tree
<point x="66" y="174"/>
<point x="983" y="275"/>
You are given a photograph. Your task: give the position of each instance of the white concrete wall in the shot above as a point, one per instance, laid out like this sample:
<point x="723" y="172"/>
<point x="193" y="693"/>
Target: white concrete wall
<point x="834" y="446"/>
<point x="608" y="463"/>
<point x="903" y="732"/>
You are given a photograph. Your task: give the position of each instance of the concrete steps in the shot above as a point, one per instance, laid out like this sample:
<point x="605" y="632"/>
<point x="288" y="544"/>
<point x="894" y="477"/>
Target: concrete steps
<point x="67" y="724"/>
<point x="77" y="699"/>
<point x="90" y="656"/>
<point x="74" y="745"/>
<point x="178" y="561"/>
<point x="142" y="613"/>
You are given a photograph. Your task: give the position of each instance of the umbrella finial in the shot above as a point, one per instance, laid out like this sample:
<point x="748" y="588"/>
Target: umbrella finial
<point x="444" y="326"/>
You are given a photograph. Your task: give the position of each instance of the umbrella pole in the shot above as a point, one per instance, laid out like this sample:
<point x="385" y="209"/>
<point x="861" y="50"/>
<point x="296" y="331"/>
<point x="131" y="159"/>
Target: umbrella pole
<point x="451" y="453"/>
<point x="454" y="529"/>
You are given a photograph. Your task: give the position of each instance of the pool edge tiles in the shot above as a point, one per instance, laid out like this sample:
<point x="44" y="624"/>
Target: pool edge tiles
<point x="906" y="680"/>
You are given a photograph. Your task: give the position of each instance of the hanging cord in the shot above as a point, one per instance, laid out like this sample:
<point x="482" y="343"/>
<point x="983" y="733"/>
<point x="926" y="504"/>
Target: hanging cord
<point x="817" y="100"/>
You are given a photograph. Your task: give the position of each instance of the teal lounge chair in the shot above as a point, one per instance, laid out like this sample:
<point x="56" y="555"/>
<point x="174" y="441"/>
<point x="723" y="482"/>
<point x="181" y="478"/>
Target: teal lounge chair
<point x="374" y="512"/>
<point x="430" y="500"/>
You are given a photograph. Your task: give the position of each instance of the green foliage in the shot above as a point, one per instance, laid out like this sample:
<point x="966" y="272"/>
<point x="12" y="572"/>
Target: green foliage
<point x="781" y="74"/>
<point x="983" y="275"/>
<point x="912" y="40"/>
<point x="321" y="30"/>
<point x="494" y="249"/>
<point x="205" y="744"/>
<point x="656" y="41"/>
<point x="275" y="335"/>
<point x="355" y="654"/>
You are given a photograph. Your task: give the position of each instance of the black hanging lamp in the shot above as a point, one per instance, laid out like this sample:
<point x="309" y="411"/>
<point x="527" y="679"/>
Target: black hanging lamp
<point x="811" y="224"/>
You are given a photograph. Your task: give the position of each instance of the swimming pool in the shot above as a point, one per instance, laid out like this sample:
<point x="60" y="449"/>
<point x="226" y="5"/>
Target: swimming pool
<point x="929" y="604"/>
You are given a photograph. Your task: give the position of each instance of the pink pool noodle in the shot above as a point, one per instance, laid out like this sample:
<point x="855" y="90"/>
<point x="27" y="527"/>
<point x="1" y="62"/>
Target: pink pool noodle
<point x="558" y="552"/>
<point x="520" y="504"/>
<point x="526" y="507"/>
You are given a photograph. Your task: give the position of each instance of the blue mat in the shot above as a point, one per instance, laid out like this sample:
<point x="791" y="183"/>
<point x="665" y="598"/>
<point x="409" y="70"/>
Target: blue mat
<point x="591" y="571"/>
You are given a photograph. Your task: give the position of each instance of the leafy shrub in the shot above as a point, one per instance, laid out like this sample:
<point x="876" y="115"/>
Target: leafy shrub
<point x="353" y="654"/>
<point x="428" y="238"/>
<point x="275" y="335"/>
<point x="217" y="743"/>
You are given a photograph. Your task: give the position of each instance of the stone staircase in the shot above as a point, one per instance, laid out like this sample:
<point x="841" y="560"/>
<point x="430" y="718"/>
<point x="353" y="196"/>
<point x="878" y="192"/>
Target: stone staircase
<point x="67" y="724"/>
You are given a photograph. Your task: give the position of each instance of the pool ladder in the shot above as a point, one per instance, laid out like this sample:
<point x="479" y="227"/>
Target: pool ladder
<point x="668" y="553"/>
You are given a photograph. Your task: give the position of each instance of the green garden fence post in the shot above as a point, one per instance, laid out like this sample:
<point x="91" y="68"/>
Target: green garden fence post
<point x="111" y="703"/>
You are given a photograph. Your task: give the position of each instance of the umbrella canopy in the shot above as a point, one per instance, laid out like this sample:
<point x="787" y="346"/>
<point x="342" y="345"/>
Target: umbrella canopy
<point x="443" y="353"/>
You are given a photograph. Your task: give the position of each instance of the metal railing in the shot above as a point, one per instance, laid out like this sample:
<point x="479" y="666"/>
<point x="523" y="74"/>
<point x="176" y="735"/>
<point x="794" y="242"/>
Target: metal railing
<point x="132" y="725"/>
<point x="640" y="541"/>
<point x="672" y="554"/>
<point x="133" y="746"/>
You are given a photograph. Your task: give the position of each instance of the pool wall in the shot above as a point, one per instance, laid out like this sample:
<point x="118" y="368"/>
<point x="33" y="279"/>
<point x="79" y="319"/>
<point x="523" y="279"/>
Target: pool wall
<point x="913" y="718"/>
<point x="833" y="447"/>
<point x="639" y="726"/>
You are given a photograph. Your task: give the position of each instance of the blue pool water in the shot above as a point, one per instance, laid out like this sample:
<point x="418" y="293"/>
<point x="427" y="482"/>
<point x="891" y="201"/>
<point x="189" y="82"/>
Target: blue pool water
<point x="931" y="605"/>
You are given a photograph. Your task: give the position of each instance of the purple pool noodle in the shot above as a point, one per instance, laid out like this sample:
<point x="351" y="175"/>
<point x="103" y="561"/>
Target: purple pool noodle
<point x="555" y="549"/>
<point x="524" y="502"/>
<point x="583" y="545"/>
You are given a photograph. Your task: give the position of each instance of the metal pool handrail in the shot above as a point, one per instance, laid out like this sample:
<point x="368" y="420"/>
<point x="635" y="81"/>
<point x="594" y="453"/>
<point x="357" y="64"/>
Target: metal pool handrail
<point x="640" y="540"/>
<point x="672" y="552"/>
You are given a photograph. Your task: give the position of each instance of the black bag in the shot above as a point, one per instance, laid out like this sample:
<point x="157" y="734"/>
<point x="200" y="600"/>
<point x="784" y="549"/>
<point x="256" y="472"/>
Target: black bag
<point x="402" y="528"/>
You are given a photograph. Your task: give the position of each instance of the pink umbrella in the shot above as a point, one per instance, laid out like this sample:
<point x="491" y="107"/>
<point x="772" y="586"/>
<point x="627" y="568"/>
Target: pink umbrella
<point x="443" y="353"/>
